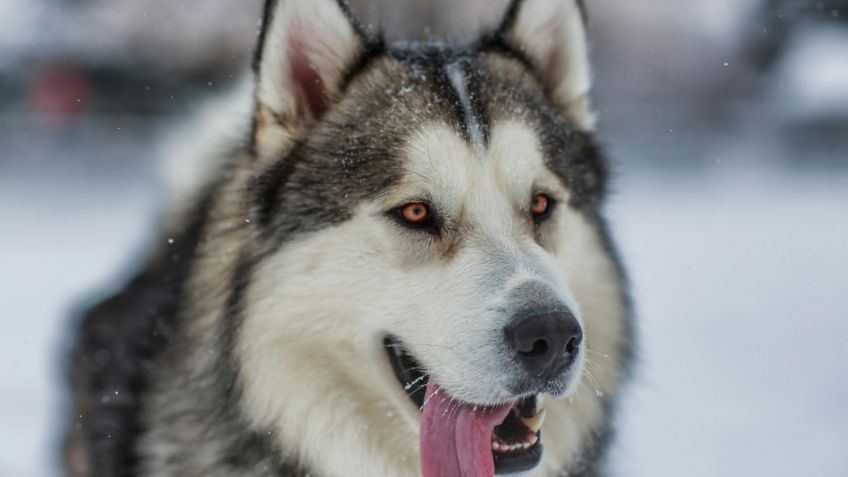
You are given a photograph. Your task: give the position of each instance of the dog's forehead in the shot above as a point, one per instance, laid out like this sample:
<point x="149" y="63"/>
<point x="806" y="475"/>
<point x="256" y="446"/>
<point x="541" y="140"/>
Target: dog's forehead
<point x="439" y="161"/>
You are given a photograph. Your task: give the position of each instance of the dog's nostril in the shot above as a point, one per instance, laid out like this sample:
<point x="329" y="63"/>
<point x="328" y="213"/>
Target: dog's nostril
<point x="573" y="344"/>
<point x="540" y="347"/>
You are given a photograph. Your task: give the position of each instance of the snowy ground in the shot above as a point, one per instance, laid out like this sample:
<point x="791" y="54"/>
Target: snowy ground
<point x="742" y="289"/>
<point x="740" y="272"/>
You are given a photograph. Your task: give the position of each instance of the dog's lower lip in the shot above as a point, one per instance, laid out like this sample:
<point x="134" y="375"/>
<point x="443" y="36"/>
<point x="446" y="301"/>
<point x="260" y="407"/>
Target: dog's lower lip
<point x="516" y="442"/>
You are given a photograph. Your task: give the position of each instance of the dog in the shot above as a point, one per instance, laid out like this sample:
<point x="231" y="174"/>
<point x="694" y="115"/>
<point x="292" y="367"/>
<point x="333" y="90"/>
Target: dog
<point x="402" y="268"/>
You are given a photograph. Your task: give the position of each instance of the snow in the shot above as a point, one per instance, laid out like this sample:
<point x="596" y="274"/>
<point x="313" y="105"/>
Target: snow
<point x="741" y="287"/>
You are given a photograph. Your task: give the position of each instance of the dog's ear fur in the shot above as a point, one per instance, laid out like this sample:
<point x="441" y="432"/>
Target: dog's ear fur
<point x="305" y="50"/>
<point x="552" y="35"/>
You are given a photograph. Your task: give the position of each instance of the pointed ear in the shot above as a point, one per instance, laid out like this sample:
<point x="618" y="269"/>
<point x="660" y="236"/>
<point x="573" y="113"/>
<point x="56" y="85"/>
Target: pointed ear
<point x="552" y="35"/>
<point x="305" y="49"/>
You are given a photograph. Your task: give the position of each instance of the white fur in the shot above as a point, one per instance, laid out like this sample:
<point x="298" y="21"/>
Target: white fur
<point x="311" y="354"/>
<point x="552" y="34"/>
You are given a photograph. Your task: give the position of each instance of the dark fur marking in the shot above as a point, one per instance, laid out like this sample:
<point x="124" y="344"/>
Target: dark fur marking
<point x="374" y="48"/>
<point x="475" y="78"/>
<point x="289" y="198"/>
<point x="432" y="60"/>
<point x="495" y="42"/>
<point x="267" y="187"/>
<point x="576" y="159"/>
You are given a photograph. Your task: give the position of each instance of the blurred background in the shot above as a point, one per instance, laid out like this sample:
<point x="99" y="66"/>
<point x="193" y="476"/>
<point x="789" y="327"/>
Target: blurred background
<point x="727" y="124"/>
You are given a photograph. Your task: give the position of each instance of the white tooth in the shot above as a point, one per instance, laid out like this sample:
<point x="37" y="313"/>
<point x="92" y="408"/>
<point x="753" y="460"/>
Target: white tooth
<point x="495" y="446"/>
<point x="535" y="439"/>
<point x="534" y="423"/>
<point x="540" y="401"/>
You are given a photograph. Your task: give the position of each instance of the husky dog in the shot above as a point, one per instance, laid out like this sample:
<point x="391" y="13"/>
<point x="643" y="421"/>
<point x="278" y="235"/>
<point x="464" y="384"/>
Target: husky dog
<point x="402" y="270"/>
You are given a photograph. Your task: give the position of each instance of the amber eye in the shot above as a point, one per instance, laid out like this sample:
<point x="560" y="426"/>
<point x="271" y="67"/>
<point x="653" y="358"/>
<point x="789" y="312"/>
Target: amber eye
<point x="416" y="213"/>
<point x="540" y="205"/>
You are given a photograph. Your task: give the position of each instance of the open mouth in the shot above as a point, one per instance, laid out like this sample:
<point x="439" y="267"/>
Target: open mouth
<point x="464" y="438"/>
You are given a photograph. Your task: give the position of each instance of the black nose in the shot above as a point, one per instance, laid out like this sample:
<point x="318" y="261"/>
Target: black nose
<point x="545" y="343"/>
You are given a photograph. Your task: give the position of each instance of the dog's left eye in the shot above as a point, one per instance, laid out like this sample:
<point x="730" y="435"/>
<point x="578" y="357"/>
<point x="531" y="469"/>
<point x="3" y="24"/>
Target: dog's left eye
<point x="541" y="206"/>
<point x="415" y="215"/>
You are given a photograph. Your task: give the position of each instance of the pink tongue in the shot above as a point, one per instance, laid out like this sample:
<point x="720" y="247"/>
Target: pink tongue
<point x="456" y="438"/>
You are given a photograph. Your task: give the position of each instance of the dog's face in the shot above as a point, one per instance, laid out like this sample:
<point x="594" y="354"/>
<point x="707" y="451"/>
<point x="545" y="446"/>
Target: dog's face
<point x="469" y="241"/>
<point x="429" y="221"/>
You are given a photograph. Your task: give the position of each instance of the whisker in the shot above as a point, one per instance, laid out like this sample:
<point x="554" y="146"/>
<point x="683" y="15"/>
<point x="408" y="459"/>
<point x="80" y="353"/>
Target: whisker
<point x="418" y="385"/>
<point x="595" y="385"/>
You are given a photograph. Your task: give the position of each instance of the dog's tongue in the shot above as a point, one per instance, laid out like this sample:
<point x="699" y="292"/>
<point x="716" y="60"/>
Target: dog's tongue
<point x="456" y="438"/>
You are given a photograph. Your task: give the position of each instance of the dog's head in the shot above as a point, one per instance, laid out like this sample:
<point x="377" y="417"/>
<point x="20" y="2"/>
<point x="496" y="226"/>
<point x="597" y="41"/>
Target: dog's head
<point x="428" y="222"/>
